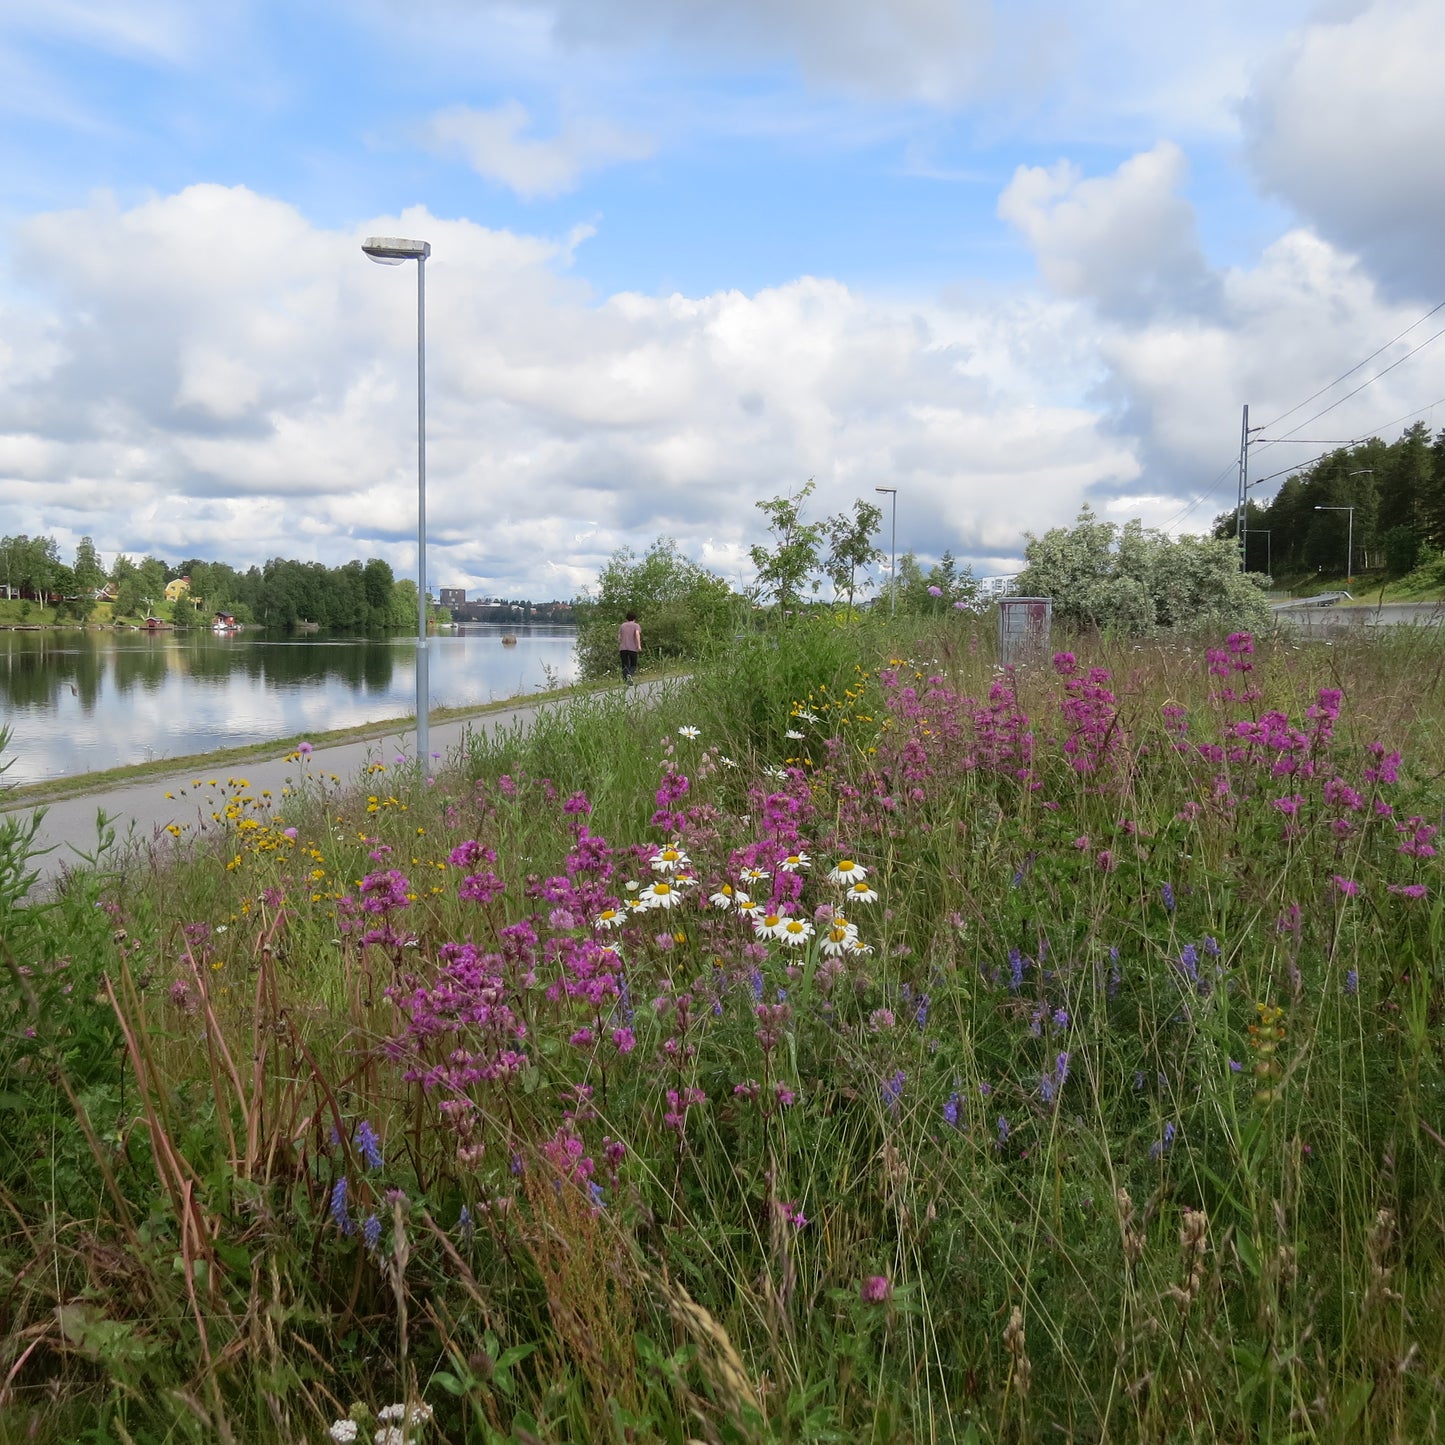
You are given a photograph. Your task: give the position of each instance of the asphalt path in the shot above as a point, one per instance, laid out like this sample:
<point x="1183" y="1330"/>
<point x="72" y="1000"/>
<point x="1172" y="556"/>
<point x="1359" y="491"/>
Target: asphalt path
<point x="141" y="814"/>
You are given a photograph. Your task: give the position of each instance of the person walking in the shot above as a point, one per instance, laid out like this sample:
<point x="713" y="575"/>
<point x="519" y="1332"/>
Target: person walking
<point x="629" y="647"/>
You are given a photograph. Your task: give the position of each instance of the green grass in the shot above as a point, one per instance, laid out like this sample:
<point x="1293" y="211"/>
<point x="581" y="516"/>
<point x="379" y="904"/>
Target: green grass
<point x="1123" y="1122"/>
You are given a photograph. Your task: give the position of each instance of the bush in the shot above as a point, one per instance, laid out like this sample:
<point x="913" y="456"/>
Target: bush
<point x="682" y="607"/>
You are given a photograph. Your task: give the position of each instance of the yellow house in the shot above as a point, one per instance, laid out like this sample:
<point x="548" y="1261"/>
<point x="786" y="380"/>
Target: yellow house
<point x="177" y="589"/>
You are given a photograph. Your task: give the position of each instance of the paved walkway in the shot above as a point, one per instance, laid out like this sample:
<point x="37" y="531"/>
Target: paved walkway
<point x="140" y="812"/>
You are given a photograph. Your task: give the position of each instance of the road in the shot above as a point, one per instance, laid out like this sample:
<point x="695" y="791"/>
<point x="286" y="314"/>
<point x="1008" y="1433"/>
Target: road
<point x="141" y="813"/>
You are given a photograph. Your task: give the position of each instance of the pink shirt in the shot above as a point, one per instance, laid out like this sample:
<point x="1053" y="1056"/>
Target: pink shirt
<point x="629" y="637"/>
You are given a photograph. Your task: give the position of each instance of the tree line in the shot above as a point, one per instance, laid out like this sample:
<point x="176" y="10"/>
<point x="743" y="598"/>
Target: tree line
<point x="1393" y="491"/>
<point x="354" y="597"/>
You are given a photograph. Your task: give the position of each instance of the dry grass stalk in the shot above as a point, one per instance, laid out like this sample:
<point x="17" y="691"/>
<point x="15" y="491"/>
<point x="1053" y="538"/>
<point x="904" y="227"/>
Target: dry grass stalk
<point x="1021" y="1368"/>
<point x="718" y="1356"/>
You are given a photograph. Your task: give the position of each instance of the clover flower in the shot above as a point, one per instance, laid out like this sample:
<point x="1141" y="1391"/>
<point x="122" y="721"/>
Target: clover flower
<point x="875" y="1290"/>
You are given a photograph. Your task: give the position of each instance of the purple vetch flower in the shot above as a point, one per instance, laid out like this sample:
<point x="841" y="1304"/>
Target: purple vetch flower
<point x="371" y="1233"/>
<point x="950" y="1110"/>
<point x="1003" y="1130"/>
<point x="1046" y="1088"/>
<point x="1352" y="981"/>
<point x="465" y="1227"/>
<point x="1235" y="1067"/>
<point x="1162" y="1145"/>
<point x="368" y="1145"/>
<point x="892" y="1090"/>
<point x="1061" y="1069"/>
<point x="1015" y="969"/>
<point x="340" y="1213"/>
<point x="1061" y="1018"/>
<point x="1166" y="897"/>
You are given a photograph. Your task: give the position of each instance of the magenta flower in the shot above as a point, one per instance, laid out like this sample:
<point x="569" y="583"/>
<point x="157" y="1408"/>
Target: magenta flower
<point x="876" y="1289"/>
<point x="1347" y="886"/>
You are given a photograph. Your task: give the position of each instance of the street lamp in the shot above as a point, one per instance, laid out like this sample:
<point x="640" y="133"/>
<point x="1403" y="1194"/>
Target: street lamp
<point x="893" y="552"/>
<point x="1350" y="539"/>
<point x="392" y="251"/>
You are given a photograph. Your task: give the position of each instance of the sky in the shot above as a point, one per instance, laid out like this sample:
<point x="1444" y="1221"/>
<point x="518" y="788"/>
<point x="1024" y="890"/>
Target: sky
<point x="1008" y="258"/>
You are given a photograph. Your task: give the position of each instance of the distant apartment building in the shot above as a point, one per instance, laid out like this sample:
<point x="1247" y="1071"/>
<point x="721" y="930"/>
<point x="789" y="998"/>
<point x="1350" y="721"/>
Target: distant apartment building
<point x="454" y="596"/>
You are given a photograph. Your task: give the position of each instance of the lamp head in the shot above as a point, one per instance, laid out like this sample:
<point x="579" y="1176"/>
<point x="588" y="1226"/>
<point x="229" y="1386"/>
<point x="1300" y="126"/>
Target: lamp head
<point x="393" y="250"/>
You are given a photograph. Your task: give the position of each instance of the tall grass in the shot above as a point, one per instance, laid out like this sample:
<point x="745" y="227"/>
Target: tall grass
<point x="1116" y="1115"/>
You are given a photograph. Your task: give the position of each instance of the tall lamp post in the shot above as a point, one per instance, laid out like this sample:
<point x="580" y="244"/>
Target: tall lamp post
<point x="892" y="551"/>
<point x="1349" y="539"/>
<point x="392" y="251"/>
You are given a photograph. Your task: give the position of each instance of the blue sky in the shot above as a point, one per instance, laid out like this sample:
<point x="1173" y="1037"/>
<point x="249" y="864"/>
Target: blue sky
<point x="1007" y="258"/>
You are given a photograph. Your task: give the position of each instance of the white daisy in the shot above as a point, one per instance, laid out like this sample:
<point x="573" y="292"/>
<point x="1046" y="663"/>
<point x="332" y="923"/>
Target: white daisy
<point x="847" y="871"/>
<point x="860" y="892"/>
<point x="727" y="762"/>
<point x="754" y="875"/>
<point x="609" y="918"/>
<point x="779" y="775"/>
<point x="794" y="862"/>
<point x="688" y="732"/>
<point x="769" y="925"/>
<point x="794" y="734"/>
<point x="795" y="932"/>
<point x="839" y="939"/>
<point x="747" y="908"/>
<point x="669" y="859"/>
<point x="810" y="717"/>
<point x="725" y="897"/>
<point x="660" y="895"/>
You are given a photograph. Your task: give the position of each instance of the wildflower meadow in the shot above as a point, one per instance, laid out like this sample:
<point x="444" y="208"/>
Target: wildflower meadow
<point x="855" y="1041"/>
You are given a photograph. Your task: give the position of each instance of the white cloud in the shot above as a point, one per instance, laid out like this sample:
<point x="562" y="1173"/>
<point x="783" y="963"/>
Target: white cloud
<point x="1347" y="125"/>
<point x="226" y="379"/>
<point x="495" y="145"/>
<point x="1127" y="241"/>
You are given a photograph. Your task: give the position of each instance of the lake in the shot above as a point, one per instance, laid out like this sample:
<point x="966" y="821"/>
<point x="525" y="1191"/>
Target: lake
<point x="80" y="701"/>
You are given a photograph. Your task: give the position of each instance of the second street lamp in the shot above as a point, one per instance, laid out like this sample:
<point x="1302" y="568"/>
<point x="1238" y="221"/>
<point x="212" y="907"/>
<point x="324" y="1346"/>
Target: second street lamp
<point x="392" y="251"/>
<point x="892" y="552"/>
<point x="1349" y="539"/>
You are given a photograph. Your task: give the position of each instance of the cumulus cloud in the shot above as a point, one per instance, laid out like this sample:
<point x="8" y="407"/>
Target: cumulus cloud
<point x="495" y="145"/>
<point x="1126" y="242"/>
<point x="1347" y="126"/>
<point x="223" y="378"/>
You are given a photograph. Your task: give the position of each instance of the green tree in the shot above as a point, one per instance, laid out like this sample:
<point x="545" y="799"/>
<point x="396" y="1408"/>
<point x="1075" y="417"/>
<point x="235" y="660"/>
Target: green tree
<point x="851" y="546"/>
<point x="89" y="574"/>
<point x="681" y="605"/>
<point x="792" y="558"/>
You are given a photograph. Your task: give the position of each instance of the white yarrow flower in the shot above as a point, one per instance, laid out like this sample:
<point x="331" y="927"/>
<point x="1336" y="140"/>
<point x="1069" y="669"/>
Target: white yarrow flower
<point x="343" y="1432"/>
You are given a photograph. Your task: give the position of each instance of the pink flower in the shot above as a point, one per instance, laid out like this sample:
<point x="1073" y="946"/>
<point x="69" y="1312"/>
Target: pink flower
<point x="876" y="1289"/>
<point x="1409" y="890"/>
<point x="1347" y="886"/>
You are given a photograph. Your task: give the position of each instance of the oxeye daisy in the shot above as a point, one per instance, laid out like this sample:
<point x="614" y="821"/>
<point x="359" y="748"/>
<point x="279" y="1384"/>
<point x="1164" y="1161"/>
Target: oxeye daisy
<point x="778" y="775"/>
<point x="669" y="859"/>
<point x="725" y="897"/>
<point x="793" y="733"/>
<point x="854" y="946"/>
<point x="689" y="732"/>
<point x="860" y="892"/>
<point x="795" y="932"/>
<point x="747" y="908"/>
<point x="754" y="875"/>
<point x="609" y="918"/>
<point x="727" y="762"/>
<point x="794" y="862"/>
<point x="847" y="871"/>
<point x="839" y="939"/>
<point x="769" y="925"/>
<point x="660" y="895"/>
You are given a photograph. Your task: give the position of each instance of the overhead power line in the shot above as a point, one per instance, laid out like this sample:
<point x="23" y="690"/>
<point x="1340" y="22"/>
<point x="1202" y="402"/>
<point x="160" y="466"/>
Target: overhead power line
<point x="1299" y="406"/>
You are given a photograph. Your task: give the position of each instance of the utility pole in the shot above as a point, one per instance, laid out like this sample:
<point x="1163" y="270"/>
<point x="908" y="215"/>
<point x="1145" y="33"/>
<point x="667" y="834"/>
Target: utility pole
<point x="1241" y="514"/>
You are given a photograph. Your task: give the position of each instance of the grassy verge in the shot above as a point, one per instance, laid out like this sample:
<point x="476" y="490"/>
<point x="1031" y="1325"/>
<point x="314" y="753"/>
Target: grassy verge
<point x="1077" y="1074"/>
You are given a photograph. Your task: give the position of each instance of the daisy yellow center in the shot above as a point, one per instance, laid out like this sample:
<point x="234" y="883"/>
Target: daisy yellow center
<point x="795" y="926"/>
<point x="662" y="888"/>
<point x="846" y="866"/>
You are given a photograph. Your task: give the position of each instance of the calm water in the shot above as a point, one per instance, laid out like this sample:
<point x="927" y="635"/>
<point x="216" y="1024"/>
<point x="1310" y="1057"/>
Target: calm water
<point x="80" y="701"/>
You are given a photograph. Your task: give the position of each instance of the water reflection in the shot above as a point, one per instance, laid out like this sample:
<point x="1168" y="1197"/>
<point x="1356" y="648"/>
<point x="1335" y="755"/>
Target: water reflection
<point x="79" y="701"/>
